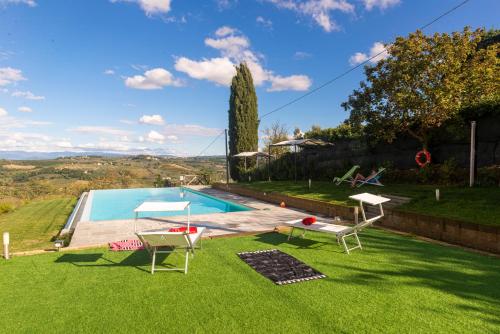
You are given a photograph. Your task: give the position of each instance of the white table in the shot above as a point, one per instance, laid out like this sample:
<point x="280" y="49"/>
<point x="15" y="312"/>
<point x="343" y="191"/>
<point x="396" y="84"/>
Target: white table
<point x="162" y="207"/>
<point x="367" y="198"/>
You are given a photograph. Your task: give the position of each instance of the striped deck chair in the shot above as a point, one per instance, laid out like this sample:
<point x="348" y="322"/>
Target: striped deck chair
<point x="374" y="180"/>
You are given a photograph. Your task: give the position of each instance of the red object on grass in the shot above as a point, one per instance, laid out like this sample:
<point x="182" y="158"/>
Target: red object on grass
<point x="192" y="229"/>
<point x="309" y="220"/>
<point x="126" y="245"/>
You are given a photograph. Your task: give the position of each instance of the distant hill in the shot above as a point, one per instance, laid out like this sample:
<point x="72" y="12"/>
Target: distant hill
<point x="24" y="155"/>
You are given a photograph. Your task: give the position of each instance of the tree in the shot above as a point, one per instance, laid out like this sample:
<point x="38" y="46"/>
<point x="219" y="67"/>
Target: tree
<point x="298" y="134"/>
<point x="424" y="82"/>
<point x="343" y="131"/>
<point x="274" y="134"/>
<point x="243" y="119"/>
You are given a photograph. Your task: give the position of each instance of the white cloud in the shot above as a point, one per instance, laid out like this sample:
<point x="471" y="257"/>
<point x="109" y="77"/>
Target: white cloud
<point x="4" y="55"/>
<point x="292" y="82"/>
<point x="225" y="4"/>
<point x="318" y="10"/>
<point x="377" y="51"/>
<point x="9" y="123"/>
<point x="10" y="75"/>
<point x="230" y="46"/>
<point x="105" y="145"/>
<point x="24" y="109"/>
<point x="190" y="130"/>
<point x="234" y="48"/>
<point x="64" y="144"/>
<point x="358" y="58"/>
<point x="382" y="4"/>
<point x="299" y="55"/>
<point x="30" y="3"/>
<point x="156" y="78"/>
<point x="152" y="120"/>
<point x="127" y="121"/>
<point x="27" y="95"/>
<point x="218" y="70"/>
<point x="155" y="137"/>
<point x="151" y="7"/>
<point x="100" y="130"/>
<point x="266" y="23"/>
<point x="31" y="141"/>
<point x="172" y="138"/>
<point x="3" y="112"/>
<point x="224" y="31"/>
<point x="109" y="72"/>
<point x="140" y="67"/>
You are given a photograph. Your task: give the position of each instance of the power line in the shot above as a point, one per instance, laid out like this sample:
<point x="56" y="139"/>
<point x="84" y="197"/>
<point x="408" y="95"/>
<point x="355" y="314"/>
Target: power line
<point x="329" y="82"/>
<point x="209" y="145"/>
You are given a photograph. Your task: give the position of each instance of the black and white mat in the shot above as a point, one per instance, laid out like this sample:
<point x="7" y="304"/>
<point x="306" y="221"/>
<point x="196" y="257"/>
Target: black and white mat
<point x="280" y="267"/>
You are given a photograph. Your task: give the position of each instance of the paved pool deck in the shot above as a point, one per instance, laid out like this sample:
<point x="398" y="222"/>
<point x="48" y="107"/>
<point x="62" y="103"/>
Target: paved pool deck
<point x="264" y="218"/>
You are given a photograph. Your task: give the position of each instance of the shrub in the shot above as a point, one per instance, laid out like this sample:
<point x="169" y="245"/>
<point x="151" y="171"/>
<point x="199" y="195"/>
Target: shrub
<point x="489" y="176"/>
<point x="6" y="207"/>
<point x="449" y="173"/>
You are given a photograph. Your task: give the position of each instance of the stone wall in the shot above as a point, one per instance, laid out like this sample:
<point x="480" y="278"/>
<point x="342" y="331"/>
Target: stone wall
<point x="476" y="236"/>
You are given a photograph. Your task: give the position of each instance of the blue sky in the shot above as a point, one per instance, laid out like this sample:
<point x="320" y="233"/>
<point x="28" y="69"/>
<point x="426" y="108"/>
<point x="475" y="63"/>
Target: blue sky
<point x="152" y="75"/>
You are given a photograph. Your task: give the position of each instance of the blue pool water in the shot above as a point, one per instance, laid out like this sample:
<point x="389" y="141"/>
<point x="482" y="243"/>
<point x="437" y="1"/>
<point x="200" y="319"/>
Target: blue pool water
<point x="120" y="203"/>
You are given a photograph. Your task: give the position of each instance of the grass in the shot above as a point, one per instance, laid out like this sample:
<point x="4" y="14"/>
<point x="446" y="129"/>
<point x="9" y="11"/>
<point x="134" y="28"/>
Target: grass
<point x="32" y="226"/>
<point x="475" y="205"/>
<point x="395" y="285"/>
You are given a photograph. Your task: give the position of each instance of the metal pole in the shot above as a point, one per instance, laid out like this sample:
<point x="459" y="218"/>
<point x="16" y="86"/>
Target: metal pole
<point x="227" y="159"/>
<point x="269" y="164"/>
<point x="472" y="153"/>
<point x="295" y="164"/>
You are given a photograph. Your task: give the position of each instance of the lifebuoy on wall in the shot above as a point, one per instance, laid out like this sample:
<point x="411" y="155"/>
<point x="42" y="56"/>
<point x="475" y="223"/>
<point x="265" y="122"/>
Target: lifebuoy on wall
<point x="423" y="158"/>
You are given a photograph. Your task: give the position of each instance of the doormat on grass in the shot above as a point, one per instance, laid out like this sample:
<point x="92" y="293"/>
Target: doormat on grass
<point x="280" y="267"/>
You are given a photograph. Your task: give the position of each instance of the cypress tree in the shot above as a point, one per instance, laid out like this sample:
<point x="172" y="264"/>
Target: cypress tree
<point x="243" y="120"/>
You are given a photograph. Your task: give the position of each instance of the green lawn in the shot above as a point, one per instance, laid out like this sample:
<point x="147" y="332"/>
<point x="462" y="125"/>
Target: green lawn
<point x="395" y="285"/>
<point x="33" y="225"/>
<point x="476" y="205"/>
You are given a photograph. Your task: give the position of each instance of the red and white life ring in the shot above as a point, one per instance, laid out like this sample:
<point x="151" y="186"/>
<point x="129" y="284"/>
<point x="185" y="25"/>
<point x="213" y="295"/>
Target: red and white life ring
<point x="423" y="158"/>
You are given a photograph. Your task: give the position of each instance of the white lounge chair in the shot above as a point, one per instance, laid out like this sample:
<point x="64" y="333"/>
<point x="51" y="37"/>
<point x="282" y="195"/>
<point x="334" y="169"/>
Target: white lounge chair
<point x="169" y="242"/>
<point x="342" y="231"/>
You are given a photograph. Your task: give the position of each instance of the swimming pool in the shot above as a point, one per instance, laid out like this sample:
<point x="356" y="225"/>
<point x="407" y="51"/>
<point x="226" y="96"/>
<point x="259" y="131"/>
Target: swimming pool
<point x="117" y="204"/>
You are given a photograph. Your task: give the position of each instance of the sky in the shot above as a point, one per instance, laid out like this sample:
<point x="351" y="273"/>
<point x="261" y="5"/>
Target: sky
<point x="152" y="76"/>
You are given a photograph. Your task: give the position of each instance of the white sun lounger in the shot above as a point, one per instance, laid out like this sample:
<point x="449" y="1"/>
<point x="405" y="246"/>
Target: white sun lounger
<point x="168" y="242"/>
<point x="157" y="242"/>
<point x="342" y="231"/>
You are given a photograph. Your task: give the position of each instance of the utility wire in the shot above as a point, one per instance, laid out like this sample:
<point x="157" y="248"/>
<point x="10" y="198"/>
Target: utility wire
<point x="208" y="146"/>
<point x="329" y="82"/>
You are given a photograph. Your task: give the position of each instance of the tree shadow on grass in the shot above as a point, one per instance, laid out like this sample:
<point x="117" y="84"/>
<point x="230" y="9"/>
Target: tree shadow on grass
<point x="277" y="239"/>
<point x="418" y="264"/>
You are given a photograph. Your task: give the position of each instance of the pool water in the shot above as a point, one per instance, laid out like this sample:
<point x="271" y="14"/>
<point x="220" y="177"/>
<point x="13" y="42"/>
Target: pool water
<point x="120" y="203"/>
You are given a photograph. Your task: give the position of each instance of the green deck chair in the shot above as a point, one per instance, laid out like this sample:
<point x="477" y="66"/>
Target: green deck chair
<point x="347" y="177"/>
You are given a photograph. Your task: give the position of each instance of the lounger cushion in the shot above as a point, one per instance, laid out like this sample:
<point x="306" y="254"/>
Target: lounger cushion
<point x="192" y="229"/>
<point x="309" y="220"/>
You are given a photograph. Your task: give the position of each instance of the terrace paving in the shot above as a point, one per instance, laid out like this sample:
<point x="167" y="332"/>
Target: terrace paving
<point x="266" y="217"/>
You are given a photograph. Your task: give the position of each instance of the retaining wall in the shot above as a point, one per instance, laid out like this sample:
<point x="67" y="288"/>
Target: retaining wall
<point x="476" y="236"/>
